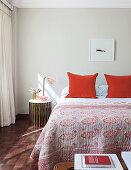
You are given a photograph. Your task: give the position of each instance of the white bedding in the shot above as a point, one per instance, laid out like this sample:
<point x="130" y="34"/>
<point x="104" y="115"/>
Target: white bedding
<point x="100" y="99"/>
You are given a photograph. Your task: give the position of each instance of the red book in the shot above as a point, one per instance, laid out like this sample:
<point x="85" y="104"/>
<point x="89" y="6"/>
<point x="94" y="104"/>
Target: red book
<point x="103" y="161"/>
<point x="97" y="160"/>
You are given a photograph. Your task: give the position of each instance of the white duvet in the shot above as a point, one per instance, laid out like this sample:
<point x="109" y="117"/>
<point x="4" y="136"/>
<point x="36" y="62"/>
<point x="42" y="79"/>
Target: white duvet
<point x="99" y="99"/>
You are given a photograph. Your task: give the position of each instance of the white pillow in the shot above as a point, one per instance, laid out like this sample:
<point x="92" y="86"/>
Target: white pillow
<point x="65" y="91"/>
<point x="100" y="90"/>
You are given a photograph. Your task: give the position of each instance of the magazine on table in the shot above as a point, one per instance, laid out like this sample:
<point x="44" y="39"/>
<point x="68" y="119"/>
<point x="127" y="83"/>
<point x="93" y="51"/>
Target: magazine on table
<point x="97" y="161"/>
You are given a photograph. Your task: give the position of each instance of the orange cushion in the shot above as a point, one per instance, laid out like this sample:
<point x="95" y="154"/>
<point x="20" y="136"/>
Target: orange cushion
<point x="118" y="86"/>
<point x="81" y="86"/>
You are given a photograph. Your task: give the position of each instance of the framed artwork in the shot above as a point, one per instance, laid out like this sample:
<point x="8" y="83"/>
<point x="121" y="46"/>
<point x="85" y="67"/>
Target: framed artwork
<point x="101" y="50"/>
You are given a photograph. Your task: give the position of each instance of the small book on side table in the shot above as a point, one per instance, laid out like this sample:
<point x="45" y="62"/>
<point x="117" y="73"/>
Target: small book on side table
<point x="97" y="162"/>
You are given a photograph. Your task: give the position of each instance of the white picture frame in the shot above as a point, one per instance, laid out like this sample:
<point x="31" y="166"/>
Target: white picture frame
<point x="101" y="49"/>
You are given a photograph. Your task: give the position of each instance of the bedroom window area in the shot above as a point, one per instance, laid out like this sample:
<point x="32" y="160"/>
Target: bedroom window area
<point x="7" y="108"/>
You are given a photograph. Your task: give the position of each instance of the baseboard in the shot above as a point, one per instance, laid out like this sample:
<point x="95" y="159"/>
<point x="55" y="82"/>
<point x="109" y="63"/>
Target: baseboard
<point x="22" y="116"/>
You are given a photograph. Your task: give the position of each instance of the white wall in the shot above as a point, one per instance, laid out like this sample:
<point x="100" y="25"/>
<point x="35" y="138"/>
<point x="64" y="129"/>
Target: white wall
<point x="54" y="41"/>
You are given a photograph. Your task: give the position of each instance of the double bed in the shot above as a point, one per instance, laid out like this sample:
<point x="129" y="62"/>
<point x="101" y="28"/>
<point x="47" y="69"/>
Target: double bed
<point x="84" y="125"/>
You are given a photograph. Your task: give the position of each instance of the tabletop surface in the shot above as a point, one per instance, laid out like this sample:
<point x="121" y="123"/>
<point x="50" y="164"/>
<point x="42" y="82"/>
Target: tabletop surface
<point x="39" y="101"/>
<point x="127" y="158"/>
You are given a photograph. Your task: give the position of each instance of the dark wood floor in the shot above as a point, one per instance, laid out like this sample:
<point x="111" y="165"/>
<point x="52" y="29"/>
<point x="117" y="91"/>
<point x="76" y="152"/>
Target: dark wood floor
<point x="16" y="144"/>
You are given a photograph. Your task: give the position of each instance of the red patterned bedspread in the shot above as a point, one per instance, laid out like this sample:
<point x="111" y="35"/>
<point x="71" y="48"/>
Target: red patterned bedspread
<point x="101" y="127"/>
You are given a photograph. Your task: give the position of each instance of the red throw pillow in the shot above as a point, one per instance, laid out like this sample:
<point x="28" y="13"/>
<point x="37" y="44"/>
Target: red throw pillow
<point x="81" y="86"/>
<point x="118" y="86"/>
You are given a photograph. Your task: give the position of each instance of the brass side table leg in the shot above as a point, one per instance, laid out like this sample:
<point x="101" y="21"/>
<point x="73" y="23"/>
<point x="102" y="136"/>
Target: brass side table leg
<point x="39" y="114"/>
<point x="34" y="113"/>
<point x="45" y="113"/>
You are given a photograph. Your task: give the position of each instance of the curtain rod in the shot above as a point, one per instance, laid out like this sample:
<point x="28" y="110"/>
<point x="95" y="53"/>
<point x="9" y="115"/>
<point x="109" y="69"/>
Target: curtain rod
<point x="7" y="4"/>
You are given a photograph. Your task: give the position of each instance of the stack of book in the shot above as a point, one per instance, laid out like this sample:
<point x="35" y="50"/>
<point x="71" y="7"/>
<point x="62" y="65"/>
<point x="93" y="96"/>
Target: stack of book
<point x="97" y="162"/>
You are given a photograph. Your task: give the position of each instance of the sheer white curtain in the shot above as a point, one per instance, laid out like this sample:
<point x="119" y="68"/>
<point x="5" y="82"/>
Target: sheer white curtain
<point x="7" y="109"/>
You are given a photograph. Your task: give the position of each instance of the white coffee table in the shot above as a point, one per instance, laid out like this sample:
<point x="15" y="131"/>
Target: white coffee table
<point x="78" y="162"/>
<point x="127" y="159"/>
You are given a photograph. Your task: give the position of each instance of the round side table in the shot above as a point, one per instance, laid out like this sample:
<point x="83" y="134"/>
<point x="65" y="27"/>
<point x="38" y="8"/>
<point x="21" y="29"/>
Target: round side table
<point x="39" y="111"/>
